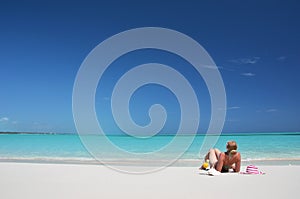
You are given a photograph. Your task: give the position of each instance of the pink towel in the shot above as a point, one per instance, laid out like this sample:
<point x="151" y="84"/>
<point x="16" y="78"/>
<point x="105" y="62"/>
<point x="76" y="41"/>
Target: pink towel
<point x="251" y="169"/>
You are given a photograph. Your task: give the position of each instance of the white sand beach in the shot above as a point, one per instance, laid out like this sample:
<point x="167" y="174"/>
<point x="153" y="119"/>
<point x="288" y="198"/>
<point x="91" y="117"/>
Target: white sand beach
<point x="36" y="180"/>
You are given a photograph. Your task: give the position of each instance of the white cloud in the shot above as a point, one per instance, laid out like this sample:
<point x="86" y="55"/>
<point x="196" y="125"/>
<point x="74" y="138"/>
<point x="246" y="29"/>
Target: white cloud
<point x="281" y="58"/>
<point x="271" y="110"/>
<point x="4" y="119"/>
<point x="267" y="111"/>
<point x="233" y="107"/>
<point x="248" y="74"/>
<point x="252" y="60"/>
<point x="212" y="67"/>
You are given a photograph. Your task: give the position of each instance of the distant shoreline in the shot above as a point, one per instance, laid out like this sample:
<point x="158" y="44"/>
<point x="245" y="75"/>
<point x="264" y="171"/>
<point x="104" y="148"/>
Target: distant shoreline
<point x="198" y="134"/>
<point x="38" y="133"/>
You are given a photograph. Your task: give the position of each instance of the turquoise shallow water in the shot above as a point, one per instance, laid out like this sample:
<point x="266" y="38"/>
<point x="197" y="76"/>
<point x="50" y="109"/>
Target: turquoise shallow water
<point x="68" y="148"/>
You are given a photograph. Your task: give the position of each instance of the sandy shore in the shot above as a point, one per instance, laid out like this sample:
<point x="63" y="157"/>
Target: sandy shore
<point x="29" y="180"/>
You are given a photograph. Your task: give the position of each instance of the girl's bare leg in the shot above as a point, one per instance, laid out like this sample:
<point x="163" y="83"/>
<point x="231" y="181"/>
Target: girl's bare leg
<point x="212" y="156"/>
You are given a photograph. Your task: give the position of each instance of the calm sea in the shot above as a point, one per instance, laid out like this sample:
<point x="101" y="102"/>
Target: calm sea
<point x="271" y="148"/>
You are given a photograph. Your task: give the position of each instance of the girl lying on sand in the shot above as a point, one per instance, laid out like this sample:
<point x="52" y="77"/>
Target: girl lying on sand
<point x="224" y="161"/>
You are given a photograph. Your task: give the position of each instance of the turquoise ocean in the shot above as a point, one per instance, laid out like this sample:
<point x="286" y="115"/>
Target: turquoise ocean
<point x="255" y="148"/>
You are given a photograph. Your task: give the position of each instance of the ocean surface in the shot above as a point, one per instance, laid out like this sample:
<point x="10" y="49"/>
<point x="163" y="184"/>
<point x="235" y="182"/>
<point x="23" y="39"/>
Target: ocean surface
<point x="269" y="148"/>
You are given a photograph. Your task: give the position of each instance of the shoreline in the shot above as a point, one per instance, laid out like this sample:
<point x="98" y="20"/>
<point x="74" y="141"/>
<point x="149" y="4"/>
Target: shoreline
<point x="36" y="181"/>
<point x="178" y="163"/>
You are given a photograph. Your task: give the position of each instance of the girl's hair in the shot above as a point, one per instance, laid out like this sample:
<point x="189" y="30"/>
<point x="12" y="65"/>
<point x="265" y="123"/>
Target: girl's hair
<point x="231" y="147"/>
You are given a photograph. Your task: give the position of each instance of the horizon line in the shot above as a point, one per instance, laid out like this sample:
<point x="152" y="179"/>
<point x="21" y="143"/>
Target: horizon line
<point x="167" y="134"/>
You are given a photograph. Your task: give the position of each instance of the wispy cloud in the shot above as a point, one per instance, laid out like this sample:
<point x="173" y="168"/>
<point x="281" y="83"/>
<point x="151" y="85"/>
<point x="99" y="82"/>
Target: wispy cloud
<point x="212" y="67"/>
<point x="252" y="60"/>
<point x="233" y="107"/>
<point x="248" y="74"/>
<point x="271" y="110"/>
<point x="4" y="119"/>
<point x="230" y="108"/>
<point x="281" y="58"/>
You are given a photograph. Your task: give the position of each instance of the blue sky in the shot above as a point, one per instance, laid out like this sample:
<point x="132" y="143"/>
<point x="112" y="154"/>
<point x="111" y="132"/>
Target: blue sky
<point x="255" y="44"/>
